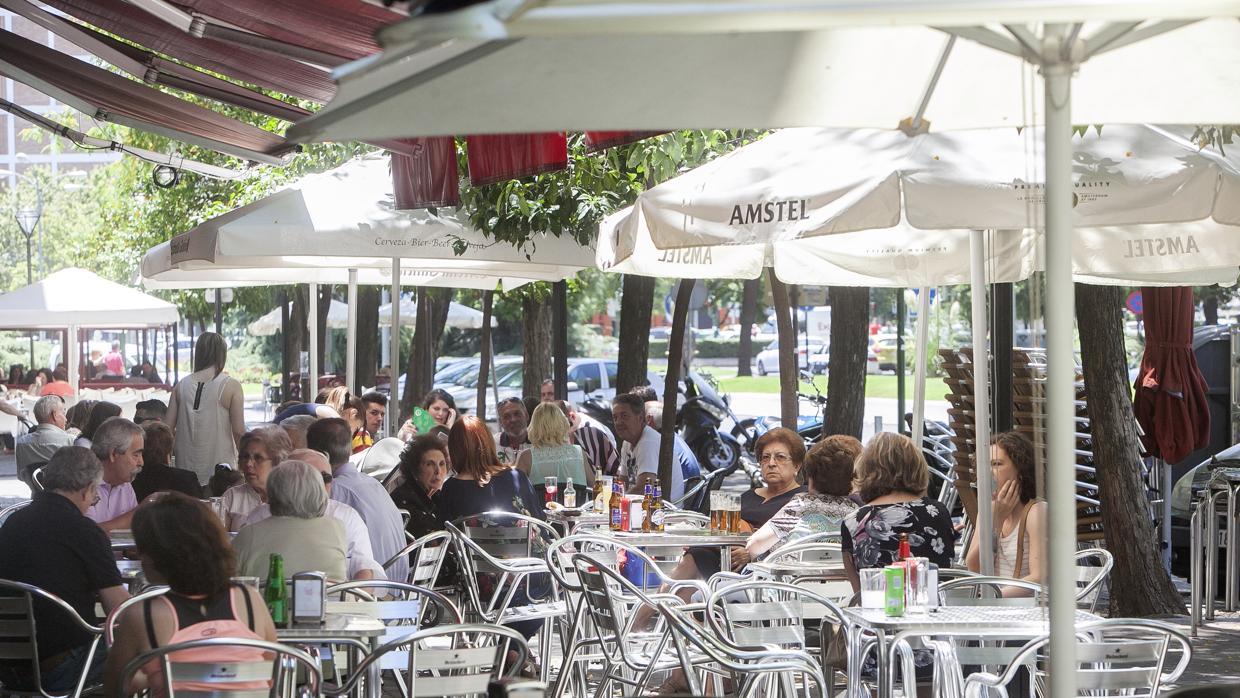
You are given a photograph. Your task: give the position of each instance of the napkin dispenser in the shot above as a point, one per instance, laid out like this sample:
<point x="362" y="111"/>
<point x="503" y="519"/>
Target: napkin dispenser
<point x="309" y="605"/>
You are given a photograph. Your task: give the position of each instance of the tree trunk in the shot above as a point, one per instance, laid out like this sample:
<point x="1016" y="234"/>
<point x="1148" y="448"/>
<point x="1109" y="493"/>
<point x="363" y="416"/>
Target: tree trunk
<point x="559" y="317"/>
<point x="536" y="344"/>
<point x="367" y="335"/>
<point x="427" y="331"/>
<point x="671" y="384"/>
<point x="1139" y="584"/>
<point x="636" y="301"/>
<point x="789" y="405"/>
<point x="850" y="310"/>
<point x="484" y="356"/>
<point x="295" y="343"/>
<point x="749" y="308"/>
<point x="1209" y="308"/>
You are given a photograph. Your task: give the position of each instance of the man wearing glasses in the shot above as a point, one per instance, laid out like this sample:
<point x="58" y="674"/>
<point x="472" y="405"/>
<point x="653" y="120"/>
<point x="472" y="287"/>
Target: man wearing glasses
<point x="52" y="545"/>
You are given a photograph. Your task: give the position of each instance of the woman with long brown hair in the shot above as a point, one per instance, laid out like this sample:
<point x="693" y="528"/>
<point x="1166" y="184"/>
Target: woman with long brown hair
<point x="481" y="482"/>
<point x="1019" y="516"/>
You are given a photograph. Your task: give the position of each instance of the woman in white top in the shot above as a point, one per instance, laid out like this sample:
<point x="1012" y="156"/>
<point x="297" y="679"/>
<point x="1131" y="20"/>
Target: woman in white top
<point x="551" y="453"/>
<point x="261" y="450"/>
<point x="206" y="411"/>
<point x="1019" y="516"/>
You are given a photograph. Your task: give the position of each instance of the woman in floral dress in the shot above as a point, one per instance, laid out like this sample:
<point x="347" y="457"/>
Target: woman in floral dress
<point x="891" y="477"/>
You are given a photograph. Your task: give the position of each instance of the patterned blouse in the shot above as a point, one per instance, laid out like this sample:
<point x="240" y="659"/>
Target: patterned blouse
<point x="872" y="533"/>
<point x="808" y="514"/>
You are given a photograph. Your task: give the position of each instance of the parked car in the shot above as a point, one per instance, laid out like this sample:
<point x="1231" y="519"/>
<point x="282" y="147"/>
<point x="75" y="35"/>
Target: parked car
<point x="818" y="363"/>
<point x="587" y="378"/>
<point x="767" y="360"/>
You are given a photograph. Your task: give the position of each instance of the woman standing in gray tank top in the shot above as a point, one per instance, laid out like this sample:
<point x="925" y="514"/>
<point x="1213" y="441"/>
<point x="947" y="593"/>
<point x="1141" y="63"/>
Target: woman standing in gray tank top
<point x="207" y="411"/>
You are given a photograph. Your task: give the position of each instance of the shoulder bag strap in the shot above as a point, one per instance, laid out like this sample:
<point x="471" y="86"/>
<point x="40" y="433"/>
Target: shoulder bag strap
<point x="1018" y="563"/>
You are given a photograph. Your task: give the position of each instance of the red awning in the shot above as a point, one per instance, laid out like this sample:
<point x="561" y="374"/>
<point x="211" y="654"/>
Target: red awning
<point x="1170" y="401"/>
<point x="110" y="97"/>
<point x="252" y="66"/>
<point x="602" y="140"/>
<point x="344" y="28"/>
<point x="427" y="177"/>
<point x="495" y="158"/>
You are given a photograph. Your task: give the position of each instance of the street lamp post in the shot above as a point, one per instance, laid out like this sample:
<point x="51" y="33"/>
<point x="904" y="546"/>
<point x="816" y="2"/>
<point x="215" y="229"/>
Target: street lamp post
<point x="28" y="221"/>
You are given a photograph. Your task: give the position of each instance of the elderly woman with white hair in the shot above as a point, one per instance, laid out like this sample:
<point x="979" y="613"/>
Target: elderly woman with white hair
<point x="297" y="529"/>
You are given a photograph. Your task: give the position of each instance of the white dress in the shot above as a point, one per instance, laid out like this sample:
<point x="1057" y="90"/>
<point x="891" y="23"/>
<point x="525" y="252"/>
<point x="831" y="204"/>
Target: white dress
<point x="203" y="428"/>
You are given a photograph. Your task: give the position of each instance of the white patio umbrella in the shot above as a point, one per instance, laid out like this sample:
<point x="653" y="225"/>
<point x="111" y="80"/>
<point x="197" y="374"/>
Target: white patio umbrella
<point x="459" y="316"/>
<point x="269" y="324"/>
<point x="345" y="219"/>
<point x="595" y="64"/>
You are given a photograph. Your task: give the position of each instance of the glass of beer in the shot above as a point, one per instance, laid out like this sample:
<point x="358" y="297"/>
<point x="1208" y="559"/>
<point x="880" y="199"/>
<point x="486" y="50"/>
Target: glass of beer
<point x="716" y="512"/>
<point x="734" y="513"/>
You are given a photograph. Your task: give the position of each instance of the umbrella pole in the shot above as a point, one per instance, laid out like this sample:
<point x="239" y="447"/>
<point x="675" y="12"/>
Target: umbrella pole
<point x="393" y="413"/>
<point x="350" y="340"/>
<point x="922" y="351"/>
<point x="1060" y="373"/>
<point x="71" y="357"/>
<point x="981" y="404"/>
<point x="313" y="317"/>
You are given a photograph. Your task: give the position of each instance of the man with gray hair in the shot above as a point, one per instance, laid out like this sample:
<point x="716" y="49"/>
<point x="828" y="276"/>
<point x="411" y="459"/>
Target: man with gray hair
<point x="296" y="427"/>
<point x="36" y="448"/>
<point x="118" y="445"/>
<point x="52" y="545"/>
<point x="362" y="563"/>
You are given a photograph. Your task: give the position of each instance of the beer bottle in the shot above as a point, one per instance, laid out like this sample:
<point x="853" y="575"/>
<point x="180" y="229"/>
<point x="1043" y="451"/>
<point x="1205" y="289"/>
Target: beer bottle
<point x="276" y="593"/>
<point x="616" y="507"/>
<point x="647" y="507"/>
<point x="656" y="510"/>
<point x="570" y="494"/>
<point x="598" y="490"/>
<point x="905" y="552"/>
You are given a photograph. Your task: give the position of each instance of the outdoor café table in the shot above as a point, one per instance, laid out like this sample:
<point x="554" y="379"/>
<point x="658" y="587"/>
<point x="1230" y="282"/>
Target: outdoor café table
<point x="570" y="521"/>
<point x="362" y="632"/>
<point x="685" y="538"/>
<point x="1015" y="621"/>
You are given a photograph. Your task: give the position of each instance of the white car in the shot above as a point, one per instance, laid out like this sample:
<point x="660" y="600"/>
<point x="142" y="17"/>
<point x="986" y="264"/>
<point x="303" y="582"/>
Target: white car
<point x="818" y="363"/>
<point x="767" y="360"/>
<point x="587" y="378"/>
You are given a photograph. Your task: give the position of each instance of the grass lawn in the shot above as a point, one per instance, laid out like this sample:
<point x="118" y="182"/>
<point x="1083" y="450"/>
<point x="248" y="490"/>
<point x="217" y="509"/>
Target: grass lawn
<point x="875" y="386"/>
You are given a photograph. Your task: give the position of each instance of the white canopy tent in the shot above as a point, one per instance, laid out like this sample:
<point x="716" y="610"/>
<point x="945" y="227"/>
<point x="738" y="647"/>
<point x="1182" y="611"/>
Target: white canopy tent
<point x="343" y="222"/>
<point x="459" y="316"/>
<point x="75" y="298"/>
<point x="771" y="64"/>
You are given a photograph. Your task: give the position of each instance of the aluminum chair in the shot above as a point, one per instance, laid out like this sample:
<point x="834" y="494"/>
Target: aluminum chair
<point x="1116" y="657"/>
<point x="109" y="623"/>
<point x="1090" y="578"/>
<point x="495" y="552"/>
<point x="764" y="613"/>
<point x="628" y="658"/>
<point x="8" y="511"/>
<point x="278" y="669"/>
<point x="459" y="660"/>
<point x="427" y="554"/>
<point x="18" y="633"/>
<point x="687" y="518"/>
<point x="988" y="591"/>
<point x="577" y="634"/>
<point x="771" y="673"/>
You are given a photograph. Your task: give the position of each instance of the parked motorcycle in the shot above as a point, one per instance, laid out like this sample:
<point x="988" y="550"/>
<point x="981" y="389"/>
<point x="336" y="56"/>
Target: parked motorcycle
<point x="699" y="420"/>
<point x="809" y="427"/>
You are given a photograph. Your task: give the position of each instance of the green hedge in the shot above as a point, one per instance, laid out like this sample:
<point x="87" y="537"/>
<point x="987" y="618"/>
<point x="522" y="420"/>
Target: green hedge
<point x="704" y="348"/>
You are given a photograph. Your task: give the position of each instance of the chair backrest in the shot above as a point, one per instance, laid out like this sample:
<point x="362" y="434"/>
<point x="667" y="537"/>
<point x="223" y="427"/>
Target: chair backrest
<point x="269" y="669"/>
<point x="397" y="603"/>
<point x="18" y="628"/>
<point x="687" y="519"/>
<point x="458" y="660"/>
<point x="109" y="623"/>
<point x="8" y="511"/>
<point x="505" y="535"/>
<point x="605" y="593"/>
<point x="1091" y="577"/>
<point x="428" y="554"/>
<point x="988" y="591"/>
<point x="829" y="554"/>
<point x="768" y="613"/>
<point x="1115" y="657"/>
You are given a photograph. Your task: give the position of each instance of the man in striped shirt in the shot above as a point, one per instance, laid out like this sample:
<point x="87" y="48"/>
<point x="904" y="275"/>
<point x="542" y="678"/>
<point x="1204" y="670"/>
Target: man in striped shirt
<point x="595" y="440"/>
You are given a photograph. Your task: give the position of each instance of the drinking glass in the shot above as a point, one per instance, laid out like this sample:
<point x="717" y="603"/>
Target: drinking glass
<point x="916" y="584"/>
<point x="734" y="513"/>
<point x="716" y="511"/>
<point x="551" y="486"/>
<point x="872" y="587"/>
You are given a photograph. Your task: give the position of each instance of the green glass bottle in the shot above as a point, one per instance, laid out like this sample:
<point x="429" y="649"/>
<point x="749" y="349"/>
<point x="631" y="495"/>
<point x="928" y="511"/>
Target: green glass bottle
<point x="276" y="593"/>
